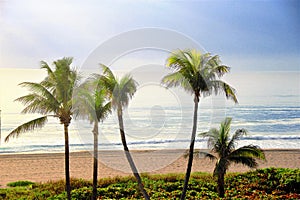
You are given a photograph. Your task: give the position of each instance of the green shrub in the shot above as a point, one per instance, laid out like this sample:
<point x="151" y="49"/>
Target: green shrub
<point x="20" y="183"/>
<point x="269" y="183"/>
<point x="82" y="193"/>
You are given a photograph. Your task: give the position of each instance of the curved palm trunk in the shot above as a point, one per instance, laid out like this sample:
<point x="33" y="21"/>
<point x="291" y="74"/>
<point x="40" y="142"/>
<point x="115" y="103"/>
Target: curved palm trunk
<point x="128" y="156"/>
<point x="221" y="184"/>
<point x="95" y="170"/>
<point x="191" y="151"/>
<point x="67" y="164"/>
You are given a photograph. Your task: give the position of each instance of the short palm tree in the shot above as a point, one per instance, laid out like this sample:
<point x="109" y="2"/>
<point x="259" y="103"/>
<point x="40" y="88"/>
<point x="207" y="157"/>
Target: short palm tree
<point x="120" y="91"/>
<point x="51" y="98"/>
<point x="198" y="74"/>
<point x="223" y="147"/>
<point x="91" y="103"/>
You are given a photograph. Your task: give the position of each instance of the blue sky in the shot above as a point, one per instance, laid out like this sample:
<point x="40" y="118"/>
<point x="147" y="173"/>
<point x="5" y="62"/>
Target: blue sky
<point x="248" y="35"/>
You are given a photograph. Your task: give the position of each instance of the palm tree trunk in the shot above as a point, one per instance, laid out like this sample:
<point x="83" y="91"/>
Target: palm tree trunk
<point x="191" y="151"/>
<point x="221" y="183"/>
<point x="95" y="172"/>
<point x="128" y="156"/>
<point x="67" y="164"/>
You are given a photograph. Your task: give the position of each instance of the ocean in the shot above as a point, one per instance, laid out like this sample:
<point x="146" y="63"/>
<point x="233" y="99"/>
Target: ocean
<point x="157" y="118"/>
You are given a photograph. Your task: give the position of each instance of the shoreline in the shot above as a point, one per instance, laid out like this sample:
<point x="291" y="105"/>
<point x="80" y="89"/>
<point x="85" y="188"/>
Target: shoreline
<point x="133" y="150"/>
<point x="43" y="167"/>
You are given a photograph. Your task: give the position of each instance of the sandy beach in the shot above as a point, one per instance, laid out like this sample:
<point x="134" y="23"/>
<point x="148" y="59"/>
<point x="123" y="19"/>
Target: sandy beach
<point x="45" y="167"/>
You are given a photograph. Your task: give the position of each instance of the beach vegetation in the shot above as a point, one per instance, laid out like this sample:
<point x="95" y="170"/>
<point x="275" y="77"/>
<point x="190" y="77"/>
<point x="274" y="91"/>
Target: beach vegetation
<point x="224" y="151"/>
<point x="52" y="97"/>
<point x="268" y="183"/>
<point x="120" y="91"/>
<point x="20" y="183"/>
<point x="198" y="74"/>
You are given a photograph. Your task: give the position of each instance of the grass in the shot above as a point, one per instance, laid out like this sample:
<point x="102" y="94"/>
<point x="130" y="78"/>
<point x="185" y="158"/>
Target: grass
<point x="20" y="183"/>
<point x="269" y="183"/>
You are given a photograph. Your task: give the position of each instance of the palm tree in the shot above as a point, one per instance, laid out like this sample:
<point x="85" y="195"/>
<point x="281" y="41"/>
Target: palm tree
<point x="51" y="98"/>
<point x="225" y="153"/>
<point x="120" y="91"/>
<point x="91" y="103"/>
<point x="198" y="74"/>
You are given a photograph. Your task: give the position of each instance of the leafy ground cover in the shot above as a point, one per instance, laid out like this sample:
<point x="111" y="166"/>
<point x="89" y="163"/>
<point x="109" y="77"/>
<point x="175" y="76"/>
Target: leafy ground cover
<point x="269" y="183"/>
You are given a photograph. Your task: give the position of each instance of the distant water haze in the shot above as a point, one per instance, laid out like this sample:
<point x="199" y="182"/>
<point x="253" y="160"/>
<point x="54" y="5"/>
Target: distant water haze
<point x="160" y="118"/>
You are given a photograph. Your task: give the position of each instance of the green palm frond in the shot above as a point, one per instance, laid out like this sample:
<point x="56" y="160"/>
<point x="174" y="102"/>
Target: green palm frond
<point x="220" y="87"/>
<point x="28" y="126"/>
<point x="88" y="99"/>
<point x="178" y="59"/>
<point x="103" y="112"/>
<point x="102" y="104"/>
<point x="221" y="70"/>
<point x="247" y="161"/>
<point x="37" y="104"/>
<point x="213" y="137"/>
<point x="84" y="104"/>
<point x="49" y="80"/>
<point x="120" y="91"/>
<point x="39" y="89"/>
<point x="126" y="88"/>
<point x="248" y="151"/>
<point x="44" y="65"/>
<point x="225" y="131"/>
<point x="208" y="155"/>
<point x="236" y="136"/>
<point x="41" y="101"/>
<point x="175" y="79"/>
<point x="107" y="72"/>
<point x="65" y="81"/>
<point x="201" y="154"/>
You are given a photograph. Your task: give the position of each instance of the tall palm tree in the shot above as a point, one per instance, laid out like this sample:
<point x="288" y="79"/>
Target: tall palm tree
<point x="199" y="75"/>
<point x="223" y="147"/>
<point x="120" y="91"/>
<point x="91" y="103"/>
<point x="51" y="98"/>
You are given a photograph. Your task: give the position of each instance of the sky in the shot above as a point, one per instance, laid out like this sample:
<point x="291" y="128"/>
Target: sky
<point x="248" y="35"/>
<point x="261" y="36"/>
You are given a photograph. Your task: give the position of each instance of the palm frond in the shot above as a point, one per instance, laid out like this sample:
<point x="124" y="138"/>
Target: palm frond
<point x="107" y="72"/>
<point x="221" y="70"/>
<point x="104" y="112"/>
<point x="248" y="151"/>
<point x="84" y="104"/>
<point x="125" y="90"/>
<point x="219" y="86"/>
<point x="41" y="90"/>
<point x="201" y="154"/>
<point x="175" y="79"/>
<point x="28" y="126"/>
<point x="65" y="81"/>
<point x="179" y="59"/>
<point x="213" y="137"/>
<point x="49" y="80"/>
<point x="207" y="155"/>
<point x="36" y="103"/>
<point x="247" y="161"/>
<point x="236" y="136"/>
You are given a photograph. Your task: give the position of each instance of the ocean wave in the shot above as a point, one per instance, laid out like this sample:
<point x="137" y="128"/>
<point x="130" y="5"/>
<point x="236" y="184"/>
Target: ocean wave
<point x="152" y="143"/>
<point x="294" y="121"/>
